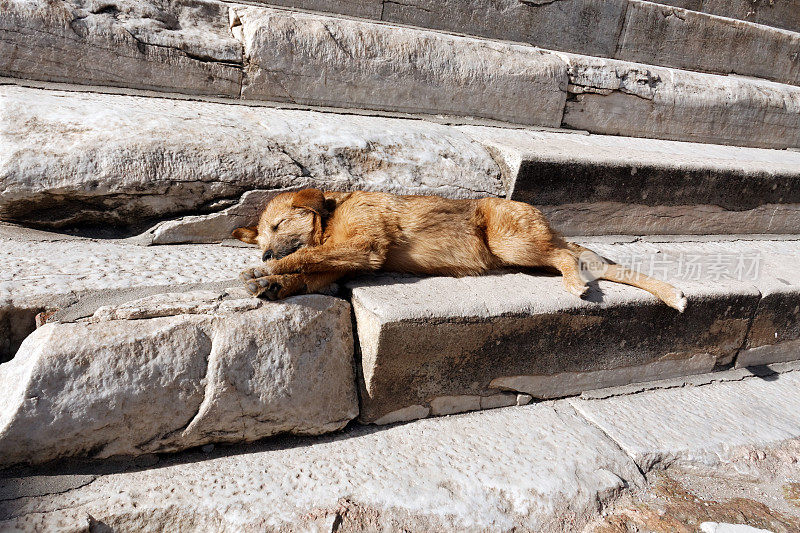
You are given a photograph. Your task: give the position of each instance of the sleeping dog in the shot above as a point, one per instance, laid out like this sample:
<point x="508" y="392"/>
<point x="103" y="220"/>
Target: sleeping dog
<point x="311" y="238"/>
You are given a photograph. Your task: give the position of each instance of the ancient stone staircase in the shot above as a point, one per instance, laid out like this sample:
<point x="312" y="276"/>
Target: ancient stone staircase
<point x="136" y="134"/>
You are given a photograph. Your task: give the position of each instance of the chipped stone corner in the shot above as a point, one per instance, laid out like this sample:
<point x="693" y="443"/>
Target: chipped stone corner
<point x="213" y="227"/>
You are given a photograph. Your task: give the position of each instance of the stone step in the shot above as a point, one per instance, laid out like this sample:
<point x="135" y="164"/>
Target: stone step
<point x="123" y="160"/>
<point x="312" y="59"/>
<point x="602" y="184"/>
<point x="552" y="466"/>
<point x="155" y="349"/>
<point x="435" y="346"/>
<point x="177" y="370"/>
<point x="679" y="34"/>
<point x="45" y="271"/>
<point x="431" y="346"/>
<point x="701" y="424"/>
<point x="351" y="63"/>
<point x="219" y="163"/>
<point x="784" y="15"/>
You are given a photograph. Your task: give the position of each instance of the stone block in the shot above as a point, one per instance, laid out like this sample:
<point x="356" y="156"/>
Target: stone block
<point x="635" y="100"/>
<point x="312" y="59"/>
<point x="441" y="345"/>
<point x="774" y="336"/>
<point x="174" y="45"/>
<point x="106" y="151"/>
<point x="44" y="271"/>
<point x="609" y="185"/>
<point x="702" y="424"/>
<point x="175" y="371"/>
<point x="679" y="38"/>
<point x="776" y="14"/>
<point x="526" y="468"/>
<point x="580" y="26"/>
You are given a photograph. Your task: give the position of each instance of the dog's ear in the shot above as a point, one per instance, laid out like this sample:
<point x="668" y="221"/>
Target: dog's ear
<point x="311" y="199"/>
<point x="247" y="235"/>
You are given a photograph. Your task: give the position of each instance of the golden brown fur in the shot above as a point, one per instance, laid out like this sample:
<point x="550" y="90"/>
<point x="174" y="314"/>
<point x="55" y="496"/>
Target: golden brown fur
<point x="310" y="239"/>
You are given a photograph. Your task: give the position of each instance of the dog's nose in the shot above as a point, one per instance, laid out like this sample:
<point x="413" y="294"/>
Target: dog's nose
<point x="267" y="255"/>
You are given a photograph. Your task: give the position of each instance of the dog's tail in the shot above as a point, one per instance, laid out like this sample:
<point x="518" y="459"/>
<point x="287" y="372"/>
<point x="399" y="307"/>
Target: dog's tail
<point x="592" y="266"/>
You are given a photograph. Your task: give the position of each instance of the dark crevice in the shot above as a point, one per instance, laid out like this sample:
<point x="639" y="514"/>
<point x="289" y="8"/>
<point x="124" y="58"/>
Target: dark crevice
<point x="113" y="216"/>
<point x="142" y="47"/>
<point x="414" y="6"/>
<point x="749" y="326"/>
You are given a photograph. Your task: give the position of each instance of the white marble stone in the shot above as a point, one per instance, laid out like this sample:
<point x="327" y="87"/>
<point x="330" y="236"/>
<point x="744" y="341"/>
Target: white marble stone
<point x="169" y="45"/>
<point x="526" y="467"/>
<point x="174" y="371"/>
<point x="313" y="59"/>
<point x="122" y="160"/>
<point x="703" y="424"/>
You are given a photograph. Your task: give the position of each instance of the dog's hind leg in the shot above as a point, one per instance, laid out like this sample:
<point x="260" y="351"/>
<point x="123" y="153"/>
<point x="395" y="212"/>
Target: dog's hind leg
<point x="519" y="235"/>
<point x="566" y="263"/>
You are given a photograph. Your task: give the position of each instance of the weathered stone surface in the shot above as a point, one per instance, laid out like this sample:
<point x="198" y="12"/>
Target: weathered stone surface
<point x="41" y="270"/>
<point x="705" y="424"/>
<point x="678" y="38"/>
<point x="646" y="32"/>
<point x="777" y="14"/>
<point x="532" y="468"/>
<point x="213" y="227"/>
<point x="602" y="184"/>
<point x="173" y="45"/>
<point x="774" y="335"/>
<point x="370" y="9"/>
<point x="35" y="266"/>
<point x="313" y="59"/>
<point x="122" y="160"/>
<point x="773" y="268"/>
<point x="173" y="371"/>
<point x="623" y="98"/>
<point x="632" y="30"/>
<point x="425" y="339"/>
<point x="580" y="26"/>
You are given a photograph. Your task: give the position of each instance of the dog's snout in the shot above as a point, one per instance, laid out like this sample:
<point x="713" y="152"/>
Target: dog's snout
<point x="268" y="254"/>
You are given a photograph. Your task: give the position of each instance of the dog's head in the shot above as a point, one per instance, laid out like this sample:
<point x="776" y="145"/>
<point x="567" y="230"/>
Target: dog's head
<point x="290" y="221"/>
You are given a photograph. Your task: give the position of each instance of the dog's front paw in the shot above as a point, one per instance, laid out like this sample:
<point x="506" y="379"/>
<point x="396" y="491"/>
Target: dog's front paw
<point x="253" y="273"/>
<point x="274" y="287"/>
<point x="268" y="287"/>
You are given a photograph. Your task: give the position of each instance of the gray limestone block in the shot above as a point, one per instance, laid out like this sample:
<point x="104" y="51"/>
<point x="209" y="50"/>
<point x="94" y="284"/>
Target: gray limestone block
<point x="678" y="38"/>
<point x="636" y="100"/>
<point x="175" y="371"/>
<point x="313" y="59"/>
<point x="173" y="45"/>
<point x="422" y="339"/>
<point x="784" y="15"/>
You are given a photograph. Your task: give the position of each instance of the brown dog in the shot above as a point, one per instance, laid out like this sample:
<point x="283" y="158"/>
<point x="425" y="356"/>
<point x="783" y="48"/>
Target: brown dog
<point x="311" y="238"/>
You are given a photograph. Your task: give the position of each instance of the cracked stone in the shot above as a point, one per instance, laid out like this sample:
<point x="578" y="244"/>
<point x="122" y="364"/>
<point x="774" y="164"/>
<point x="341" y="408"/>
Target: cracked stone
<point x="313" y="59"/>
<point x="178" y="45"/>
<point x="171" y="372"/>
<point x="105" y="150"/>
<point x="679" y="105"/>
<point x="523" y="467"/>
